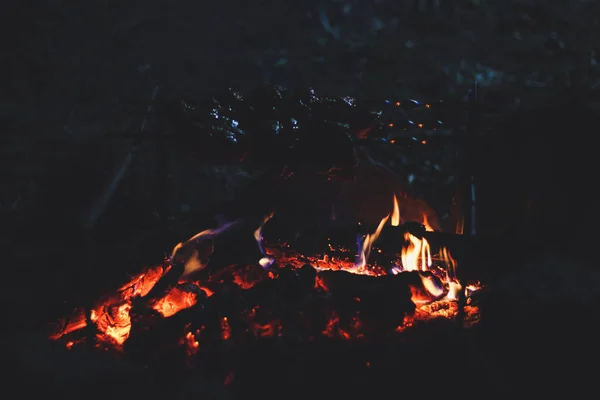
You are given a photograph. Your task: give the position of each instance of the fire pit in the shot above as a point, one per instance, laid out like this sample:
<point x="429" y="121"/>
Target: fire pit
<point x="249" y="300"/>
<point x="393" y="264"/>
<point x="392" y="290"/>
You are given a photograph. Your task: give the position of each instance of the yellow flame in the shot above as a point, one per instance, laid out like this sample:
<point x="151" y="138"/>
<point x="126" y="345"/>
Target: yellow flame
<point x="460" y="225"/>
<point x="416" y="255"/>
<point x="367" y="244"/>
<point x="396" y="213"/>
<point x="185" y="252"/>
<point x="454" y="286"/>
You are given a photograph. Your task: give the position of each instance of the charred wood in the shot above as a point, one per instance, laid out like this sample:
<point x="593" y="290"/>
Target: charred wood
<point x="162" y="335"/>
<point x="381" y="300"/>
<point x="164" y="285"/>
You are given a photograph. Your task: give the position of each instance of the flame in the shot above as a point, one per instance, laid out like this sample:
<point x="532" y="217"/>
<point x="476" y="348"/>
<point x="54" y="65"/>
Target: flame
<point x="185" y="252"/>
<point x="416" y="256"/>
<point x="265" y="261"/>
<point x="454" y="286"/>
<point x="258" y="232"/>
<point x="425" y="223"/>
<point x="364" y="248"/>
<point x="396" y="213"/>
<point x="225" y="329"/>
<point x="460" y="225"/>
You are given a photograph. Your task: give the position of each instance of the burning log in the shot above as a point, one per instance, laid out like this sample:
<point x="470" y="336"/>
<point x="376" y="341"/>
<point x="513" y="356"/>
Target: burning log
<point x="343" y="283"/>
<point x="271" y="303"/>
<point x="286" y="281"/>
<point x="164" y="286"/>
<point x="382" y="301"/>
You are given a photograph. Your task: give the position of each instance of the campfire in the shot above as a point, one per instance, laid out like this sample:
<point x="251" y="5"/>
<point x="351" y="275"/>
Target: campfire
<point x="359" y="285"/>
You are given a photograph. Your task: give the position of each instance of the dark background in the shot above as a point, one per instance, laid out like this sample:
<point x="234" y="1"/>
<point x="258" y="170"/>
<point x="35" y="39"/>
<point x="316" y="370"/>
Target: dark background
<point x="76" y="71"/>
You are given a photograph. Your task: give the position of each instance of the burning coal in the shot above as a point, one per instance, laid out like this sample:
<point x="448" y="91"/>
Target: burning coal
<point x="390" y="280"/>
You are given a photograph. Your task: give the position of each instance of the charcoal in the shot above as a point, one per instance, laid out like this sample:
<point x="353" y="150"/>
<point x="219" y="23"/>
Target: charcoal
<point x="288" y="283"/>
<point x="343" y="283"/>
<point x="304" y="278"/>
<point x="227" y="300"/>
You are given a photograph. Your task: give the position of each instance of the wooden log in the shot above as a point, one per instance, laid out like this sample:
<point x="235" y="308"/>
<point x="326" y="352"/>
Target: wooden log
<point x="342" y="244"/>
<point x="287" y="285"/>
<point x="152" y="342"/>
<point x="382" y="301"/>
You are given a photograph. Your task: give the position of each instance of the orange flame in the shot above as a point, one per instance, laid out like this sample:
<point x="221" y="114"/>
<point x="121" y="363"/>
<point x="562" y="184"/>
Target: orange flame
<point x="425" y="223"/>
<point x="454" y="286"/>
<point x="396" y="213"/>
<point x="416" y="256"/>
<point x="460" y="225"/>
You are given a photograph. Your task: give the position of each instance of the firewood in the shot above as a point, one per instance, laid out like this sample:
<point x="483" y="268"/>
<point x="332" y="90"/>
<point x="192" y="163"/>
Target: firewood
<point x="162" y="336"/>
<point x="383" y="300"/>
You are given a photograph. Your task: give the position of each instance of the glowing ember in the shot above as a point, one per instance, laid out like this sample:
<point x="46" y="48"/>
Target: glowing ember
<point x="175" y="301"/>
<point x="225" y="329"/>
<point x="114" y="322"/>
